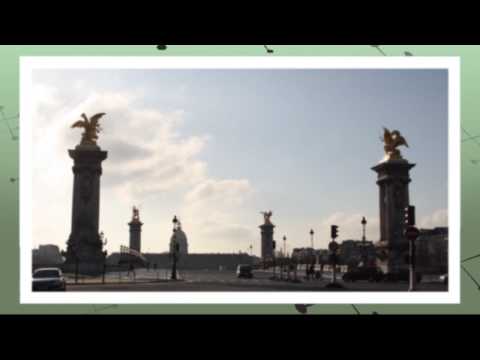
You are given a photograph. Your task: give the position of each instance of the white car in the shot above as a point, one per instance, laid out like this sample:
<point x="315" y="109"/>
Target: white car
<point x="48" y="279"/>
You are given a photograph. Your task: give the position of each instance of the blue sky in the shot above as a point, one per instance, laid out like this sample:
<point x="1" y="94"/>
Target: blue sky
<point x="216" y="147"/>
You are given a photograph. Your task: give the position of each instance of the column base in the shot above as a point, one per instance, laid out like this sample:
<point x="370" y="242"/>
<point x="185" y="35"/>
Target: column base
<point x="392" y="259"/>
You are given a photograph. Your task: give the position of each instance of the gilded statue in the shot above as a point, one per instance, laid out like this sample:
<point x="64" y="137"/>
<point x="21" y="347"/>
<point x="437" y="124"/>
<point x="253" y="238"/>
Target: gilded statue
<point x="136" y="213"/>
<point x="393" y="140"/>
<point x="267" y="216"/>
<point x="91" y="128"/>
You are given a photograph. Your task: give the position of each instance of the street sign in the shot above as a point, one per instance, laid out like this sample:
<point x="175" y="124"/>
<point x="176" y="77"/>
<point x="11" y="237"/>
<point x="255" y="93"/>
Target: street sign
<point x="412" y="233"/>
<point x="333" y="246"/>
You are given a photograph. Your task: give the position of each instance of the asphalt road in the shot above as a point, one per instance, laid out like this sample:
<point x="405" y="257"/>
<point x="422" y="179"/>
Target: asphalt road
<point x="226" y="281"/>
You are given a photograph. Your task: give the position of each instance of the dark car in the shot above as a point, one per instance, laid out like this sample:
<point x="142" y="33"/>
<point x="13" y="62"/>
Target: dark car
<point x="369" y="274"/>
<point x="245" y="271"/>
<point x="401" y="276"/>
<point x="48" y="279"/>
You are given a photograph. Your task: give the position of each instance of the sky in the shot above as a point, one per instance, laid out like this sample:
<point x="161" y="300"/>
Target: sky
<point x="217" y="147"/>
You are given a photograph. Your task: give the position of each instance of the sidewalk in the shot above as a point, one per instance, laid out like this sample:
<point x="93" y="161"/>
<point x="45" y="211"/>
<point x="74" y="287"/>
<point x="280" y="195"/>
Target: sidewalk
<point x="121" y="278"/>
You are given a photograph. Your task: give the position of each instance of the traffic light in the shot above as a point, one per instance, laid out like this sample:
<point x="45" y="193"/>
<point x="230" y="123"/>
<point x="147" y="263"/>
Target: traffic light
<point x="410" y="216"/>
<point x="334" y="232"/>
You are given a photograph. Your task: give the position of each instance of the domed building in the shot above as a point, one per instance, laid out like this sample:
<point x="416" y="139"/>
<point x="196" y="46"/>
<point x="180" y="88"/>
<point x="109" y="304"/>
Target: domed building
<point x="181" y="238"/>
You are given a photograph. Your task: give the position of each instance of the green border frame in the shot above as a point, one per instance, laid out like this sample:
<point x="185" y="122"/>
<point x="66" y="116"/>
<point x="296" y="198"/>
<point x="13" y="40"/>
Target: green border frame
<point x="9" y="158"/>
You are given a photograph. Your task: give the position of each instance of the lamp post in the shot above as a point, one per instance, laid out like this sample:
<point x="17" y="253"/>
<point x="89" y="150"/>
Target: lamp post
<point x="364" y="224"/>
<point x="173" y="249"/>
<point x="333" y="247"/>
<point x="251" y="250"/>
<point x="411" y="233"/>
<point x="364" y="242"/>
<point x="313" y="249"/>
<point x="284" y="257"/>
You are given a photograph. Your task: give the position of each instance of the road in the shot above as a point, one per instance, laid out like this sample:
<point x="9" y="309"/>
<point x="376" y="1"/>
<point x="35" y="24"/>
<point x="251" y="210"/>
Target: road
<point x="226" y="281"/>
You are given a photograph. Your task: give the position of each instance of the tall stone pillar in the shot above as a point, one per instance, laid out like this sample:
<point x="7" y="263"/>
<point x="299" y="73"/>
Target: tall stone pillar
<point x="84" y="246"/>
<point x="267" y="237"/>
<point x="135" y="231"/>
<point x="393" y="181"/>
<point x="267" y="241"/>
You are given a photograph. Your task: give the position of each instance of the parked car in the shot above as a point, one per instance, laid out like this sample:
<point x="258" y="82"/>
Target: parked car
<point x="245" y="271"/>
<point x="401" y="276"/>
<point x="371" y="274"/>
<point x="48" y="279"/>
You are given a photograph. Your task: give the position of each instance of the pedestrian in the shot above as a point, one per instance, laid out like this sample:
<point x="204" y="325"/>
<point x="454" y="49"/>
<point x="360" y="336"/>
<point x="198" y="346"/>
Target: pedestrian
<point x="312" y="271"/>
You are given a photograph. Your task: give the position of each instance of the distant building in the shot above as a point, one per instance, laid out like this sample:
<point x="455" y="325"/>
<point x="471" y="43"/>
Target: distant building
<point x="190" y="261"/>
<point x="355" y="253"/>
<point x="47" y="255"/>
<point x="304" y="255"/>
<point x="203" y="261"/>
<point x="432" y="251"/>
<point x="181" y="238"/>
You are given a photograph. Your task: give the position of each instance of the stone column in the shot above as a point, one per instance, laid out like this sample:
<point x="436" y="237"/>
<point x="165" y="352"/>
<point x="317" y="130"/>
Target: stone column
<point x="393" y="181"/>
<point x="267" y="241"/>
<point x="135" y="234"/>
<point x="84" y="244"/>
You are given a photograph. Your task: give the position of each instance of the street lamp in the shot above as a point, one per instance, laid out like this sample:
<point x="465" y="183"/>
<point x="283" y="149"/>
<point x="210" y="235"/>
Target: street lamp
<point x="174" y="249"/>
<point x="284" y="246"/>
<point x="251" y="250"/>
<point x="311" y="237"/>
<point x="364" y="224"/>
<point x="364" y="242"/>
<point x="334" y="247"/>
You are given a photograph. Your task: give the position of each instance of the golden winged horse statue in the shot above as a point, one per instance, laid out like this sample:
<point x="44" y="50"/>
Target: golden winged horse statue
<point x="393" y="140"/>
<point x="267" y="216"/>
<point x="92" y="128"/>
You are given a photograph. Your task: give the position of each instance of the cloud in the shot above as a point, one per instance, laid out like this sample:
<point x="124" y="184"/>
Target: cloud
<point x="226" y="231"/>
<point x="148" y="157"/>
<point x="350" y="227"/>
<point x="219" y="190"/>
<point x="439" y="218"/>
<point x="146" y="152"/>
<point x="120" y="150"/>
<point x="216" y="210"/>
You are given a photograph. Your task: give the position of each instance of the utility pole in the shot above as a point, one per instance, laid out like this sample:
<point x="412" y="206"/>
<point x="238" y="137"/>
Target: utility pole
<point x="333" y="247"/>
<point x="364" y="242"/>
<point x="412" y="234"/>
<point x="174" y="250"/>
